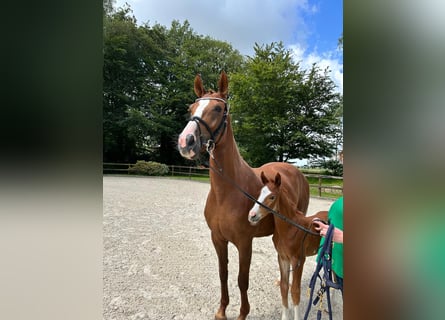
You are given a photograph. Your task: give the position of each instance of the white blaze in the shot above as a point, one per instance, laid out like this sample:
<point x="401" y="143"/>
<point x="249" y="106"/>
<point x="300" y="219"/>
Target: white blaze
<point x="265" y="191"/>
<point x="192" y="126"/>
<point x="201" y="106"/>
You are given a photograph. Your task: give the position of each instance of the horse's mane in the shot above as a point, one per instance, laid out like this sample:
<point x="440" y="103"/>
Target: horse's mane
<point x="291" y="207"/>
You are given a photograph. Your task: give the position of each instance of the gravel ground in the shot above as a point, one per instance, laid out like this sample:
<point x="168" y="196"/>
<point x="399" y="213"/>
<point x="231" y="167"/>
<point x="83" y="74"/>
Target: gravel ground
<point x="159" y="261"/>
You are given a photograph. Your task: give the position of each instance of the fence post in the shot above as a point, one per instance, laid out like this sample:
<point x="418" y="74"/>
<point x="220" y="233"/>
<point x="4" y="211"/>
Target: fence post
<point x="319" y="186"/>
<point x="190" y="173"/>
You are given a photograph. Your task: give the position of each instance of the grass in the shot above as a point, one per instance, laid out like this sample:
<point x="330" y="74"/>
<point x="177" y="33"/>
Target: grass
<point x="193" y="178"/>
<point x="326" y="193"/>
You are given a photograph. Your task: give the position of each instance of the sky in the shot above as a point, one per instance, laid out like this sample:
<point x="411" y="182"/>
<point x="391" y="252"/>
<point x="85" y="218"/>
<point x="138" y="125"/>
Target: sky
<point x="309" y="28"/>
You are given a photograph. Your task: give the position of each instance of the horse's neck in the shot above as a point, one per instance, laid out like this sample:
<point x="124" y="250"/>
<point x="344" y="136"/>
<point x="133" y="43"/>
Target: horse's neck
<point x="287" y="209"/>
<point x="227" y="157"/>
<point x="228" y="161"/>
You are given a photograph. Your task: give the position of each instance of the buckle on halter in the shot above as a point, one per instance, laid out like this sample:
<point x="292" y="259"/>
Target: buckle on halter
<point x="210" y="146"/>
<point x="319" y="298"/>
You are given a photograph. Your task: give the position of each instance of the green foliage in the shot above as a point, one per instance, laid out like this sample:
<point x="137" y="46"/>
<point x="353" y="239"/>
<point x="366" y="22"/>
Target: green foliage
<point x="282" y="112"/>
<point x="150" y="168"/>
<point x="108" y="6"/>
<point x="332" y="167"/>
<point x="187" y="54"/>
<point x="335" y="167"/>
<point x="340" y="42"/>
<point x="131" y="56"/>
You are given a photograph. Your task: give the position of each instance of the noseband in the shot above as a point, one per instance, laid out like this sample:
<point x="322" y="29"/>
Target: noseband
<point x="211" y="143"/>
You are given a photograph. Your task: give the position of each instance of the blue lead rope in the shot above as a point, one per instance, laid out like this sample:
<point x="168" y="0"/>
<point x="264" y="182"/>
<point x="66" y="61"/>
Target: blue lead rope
<point x="325" y="263"/>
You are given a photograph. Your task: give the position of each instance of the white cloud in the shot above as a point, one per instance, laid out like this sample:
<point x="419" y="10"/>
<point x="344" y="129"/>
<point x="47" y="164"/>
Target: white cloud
<point x="329" y="59"/>
<point x="240" y="22"/>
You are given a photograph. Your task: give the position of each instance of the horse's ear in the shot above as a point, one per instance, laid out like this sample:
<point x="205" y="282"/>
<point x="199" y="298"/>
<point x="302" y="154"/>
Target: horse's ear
<point x="263" y="177"/>
<point x="223" y="85"/>
<point x="199" y="87"/>
<point x="278" y="179"/>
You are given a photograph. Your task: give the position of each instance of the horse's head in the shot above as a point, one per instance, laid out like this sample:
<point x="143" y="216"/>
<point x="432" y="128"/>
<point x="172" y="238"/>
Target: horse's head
<point x="208" y="119"/>
<point x="269" y="196"/>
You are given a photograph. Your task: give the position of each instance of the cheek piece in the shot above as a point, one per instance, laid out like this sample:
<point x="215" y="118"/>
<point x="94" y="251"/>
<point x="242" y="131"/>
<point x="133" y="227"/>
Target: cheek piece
<point x="221" y="127"/>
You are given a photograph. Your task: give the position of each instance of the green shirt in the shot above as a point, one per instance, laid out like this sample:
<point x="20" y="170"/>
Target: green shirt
<point x="335" y="217"/>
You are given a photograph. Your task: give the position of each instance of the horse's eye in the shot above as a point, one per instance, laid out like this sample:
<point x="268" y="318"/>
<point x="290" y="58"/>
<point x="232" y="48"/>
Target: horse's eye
<point x="272" y="197"/>
<point x="217" y="109"/>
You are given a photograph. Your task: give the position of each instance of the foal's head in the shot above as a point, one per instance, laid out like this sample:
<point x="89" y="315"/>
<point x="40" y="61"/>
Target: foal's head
<point x="269" y="196"/>
<point x="208" y="119"/>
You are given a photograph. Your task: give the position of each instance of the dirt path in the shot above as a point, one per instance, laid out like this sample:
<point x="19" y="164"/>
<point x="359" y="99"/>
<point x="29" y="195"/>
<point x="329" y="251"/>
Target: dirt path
<point x="159" y="262"/>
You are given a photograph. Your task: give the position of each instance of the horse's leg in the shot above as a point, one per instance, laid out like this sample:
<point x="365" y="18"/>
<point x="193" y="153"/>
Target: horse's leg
<point x="284" y="285"/>
<point x="296" y="285"/>
<point x="245" y="257"/>
<point x="222" y="252"/>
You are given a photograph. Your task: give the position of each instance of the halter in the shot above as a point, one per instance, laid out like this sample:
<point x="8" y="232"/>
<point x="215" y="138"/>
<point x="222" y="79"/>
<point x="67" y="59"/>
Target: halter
<point x="211" y="143"/>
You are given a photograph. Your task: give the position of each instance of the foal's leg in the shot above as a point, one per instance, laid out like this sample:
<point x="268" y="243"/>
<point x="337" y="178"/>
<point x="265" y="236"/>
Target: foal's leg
<point x="284" y="285"/>
<point x="296" y="285"/>
<point x="222" y="252"/>
<point x="245" y="257"/>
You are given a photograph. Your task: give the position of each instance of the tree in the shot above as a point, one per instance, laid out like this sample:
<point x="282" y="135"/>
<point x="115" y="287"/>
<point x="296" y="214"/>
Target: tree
<point x="282" y="112"/>
<point x="340" y="42"/>
<point x="130" y="75"/>
<point x="186" y="54"/>
<point x="108" y="6"/>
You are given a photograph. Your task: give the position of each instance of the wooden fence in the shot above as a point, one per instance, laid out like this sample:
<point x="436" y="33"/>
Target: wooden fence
<point x="116" y="168"/>
<point x="185" y="171"/>
<point x="321" y="187"/>
<point x="124" y="168"/>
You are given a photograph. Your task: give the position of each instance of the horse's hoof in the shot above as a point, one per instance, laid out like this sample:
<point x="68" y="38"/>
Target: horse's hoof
<point x="220" y="316"/>
<point x="241" y="317"/>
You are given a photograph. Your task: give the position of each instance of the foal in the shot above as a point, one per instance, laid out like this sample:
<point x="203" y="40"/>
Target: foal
<point x="292" y="244"/>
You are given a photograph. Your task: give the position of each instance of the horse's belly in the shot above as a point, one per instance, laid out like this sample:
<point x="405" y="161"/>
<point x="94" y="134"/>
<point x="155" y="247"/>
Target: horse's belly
<point x="223" y="227"/>
<point x="235" y="226"/>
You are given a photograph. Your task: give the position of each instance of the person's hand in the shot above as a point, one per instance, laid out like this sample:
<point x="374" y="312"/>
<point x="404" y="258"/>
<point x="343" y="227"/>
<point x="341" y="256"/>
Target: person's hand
<point x="321" y="227"/>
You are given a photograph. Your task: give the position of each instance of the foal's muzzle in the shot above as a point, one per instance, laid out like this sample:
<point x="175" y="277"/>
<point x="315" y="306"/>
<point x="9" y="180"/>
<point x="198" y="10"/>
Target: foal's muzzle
<point x="254" y="217"/>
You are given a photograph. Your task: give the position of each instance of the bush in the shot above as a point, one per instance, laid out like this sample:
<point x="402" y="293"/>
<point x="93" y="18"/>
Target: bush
<point x="149" y="168"/>
<point x="329" y="167"/>
<point x="334" y="167"/>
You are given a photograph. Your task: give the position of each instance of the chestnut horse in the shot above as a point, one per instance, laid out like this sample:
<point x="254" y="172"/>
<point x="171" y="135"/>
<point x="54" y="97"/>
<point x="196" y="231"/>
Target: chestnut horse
<point x="226" y="207"/>
<point x="292" y="244"/>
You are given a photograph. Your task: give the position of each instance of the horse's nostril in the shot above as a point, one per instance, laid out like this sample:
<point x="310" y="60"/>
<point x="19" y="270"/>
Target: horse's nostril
<point x="190" y="140"/>
<point x="253" y="217"/>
